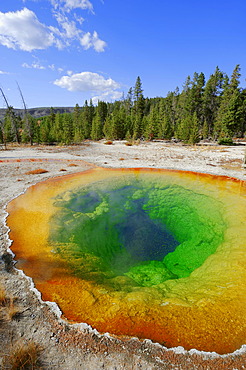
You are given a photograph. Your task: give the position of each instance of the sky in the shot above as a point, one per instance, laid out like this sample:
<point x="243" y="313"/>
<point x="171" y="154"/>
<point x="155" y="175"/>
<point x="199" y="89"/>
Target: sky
<point x="62" y="52"/>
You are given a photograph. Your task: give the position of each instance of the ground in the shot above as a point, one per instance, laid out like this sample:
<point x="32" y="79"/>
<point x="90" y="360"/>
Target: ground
<point x="25" y="318"/>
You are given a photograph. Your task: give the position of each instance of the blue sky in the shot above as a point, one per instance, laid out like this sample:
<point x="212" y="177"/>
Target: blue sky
<point x="62" y="52"/>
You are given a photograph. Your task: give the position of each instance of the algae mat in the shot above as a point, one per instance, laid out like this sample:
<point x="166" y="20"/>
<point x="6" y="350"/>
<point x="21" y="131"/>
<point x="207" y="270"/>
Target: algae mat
<point x="155" y="254"/>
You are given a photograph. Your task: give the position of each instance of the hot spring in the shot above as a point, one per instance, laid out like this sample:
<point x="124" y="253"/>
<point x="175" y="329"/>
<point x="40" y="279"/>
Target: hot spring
<point x="153" y="254"/>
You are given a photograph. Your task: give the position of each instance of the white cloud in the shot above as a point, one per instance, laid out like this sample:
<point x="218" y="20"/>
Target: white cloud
<point x="107" y="96"/>
<point x="44" y="66"/>
<point x="4" y="73"/>
<point x="34" y="65"/>
<point x="74" y="4"/>
<point x="22" y="30"/>
<point x="105" y="88"/>
<point x="68" y="5"/>
<point x="87" y="81"/>
<point x="92" y="40"/>
<point x="79" y="19"/>
<point x="70" y="29"/>
<point x="52" y="67"/>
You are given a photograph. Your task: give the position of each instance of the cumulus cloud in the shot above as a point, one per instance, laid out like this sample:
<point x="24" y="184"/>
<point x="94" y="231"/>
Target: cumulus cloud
<point x="22" y="30"/>
<point x="106" y="89"/>
<point x="89" y="82"/>
<point x="92" y="41"/>
<point x="107" y="96"/>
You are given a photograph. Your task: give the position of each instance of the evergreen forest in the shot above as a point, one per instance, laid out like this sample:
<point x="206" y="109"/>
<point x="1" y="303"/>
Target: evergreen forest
<point x="214" y="109"/>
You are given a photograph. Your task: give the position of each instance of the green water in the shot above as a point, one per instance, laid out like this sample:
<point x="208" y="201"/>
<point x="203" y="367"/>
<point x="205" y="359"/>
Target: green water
<point x="137" y="228"/>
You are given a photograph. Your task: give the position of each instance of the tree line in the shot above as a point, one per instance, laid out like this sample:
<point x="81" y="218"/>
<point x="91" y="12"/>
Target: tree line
<point x="213" y="109"/>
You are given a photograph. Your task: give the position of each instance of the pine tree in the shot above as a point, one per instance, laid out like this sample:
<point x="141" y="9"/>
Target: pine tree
<point x="211" y="99"/>
<point x="36" y="131"/>
<point x="138" y="109"/>
<point x="243" y="123"/>
<point x="137" y="126"/>
<point x="68" y="131"/>
<point x="165" y="126"/>
<point x="138" y="91"/>
<point x="14" y="124"/>
<point x="230" y="113"/>
<point x="107" y="128"/>
<point x="138" y="99"/>
<point x="129" y="101"/>
<point x="77" y="124"/>
<point x="128" y="127"/>
<point x="45" y="130"/>
<point x="194" y="130"/>
<point x="152" y="128"/>
<point x="170" y="110"/>
<point x="27" y="134"/>
<point x="57" y="130"/>
<point x="102" y="110"/>
<point x="184" y="128"/>
<point x="97" y="129"/>
<point x="3" y="137"/>
<point x="205" y="130"/>
<point x="86" y="117"/>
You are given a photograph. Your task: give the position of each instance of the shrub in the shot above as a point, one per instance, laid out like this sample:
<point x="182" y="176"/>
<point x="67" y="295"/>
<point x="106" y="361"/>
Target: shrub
<point x="225" y="141"/>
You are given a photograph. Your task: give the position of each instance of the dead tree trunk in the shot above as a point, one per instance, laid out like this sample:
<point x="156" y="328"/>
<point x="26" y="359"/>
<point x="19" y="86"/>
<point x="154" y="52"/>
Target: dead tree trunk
<point x="26" y="118"/>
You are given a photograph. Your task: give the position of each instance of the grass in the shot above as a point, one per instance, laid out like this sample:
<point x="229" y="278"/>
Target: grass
<point x="9" y="311"/>
<point x="24" y="356"/>
<point x="21" y="355"/>
<point x="3" y="297"/>
<point x="12" y="311"/>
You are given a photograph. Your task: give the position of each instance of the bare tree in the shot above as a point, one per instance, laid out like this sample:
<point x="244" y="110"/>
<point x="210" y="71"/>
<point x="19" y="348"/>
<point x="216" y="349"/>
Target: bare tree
<point x="11" y="114"/>
<point x="26" y="119"/>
